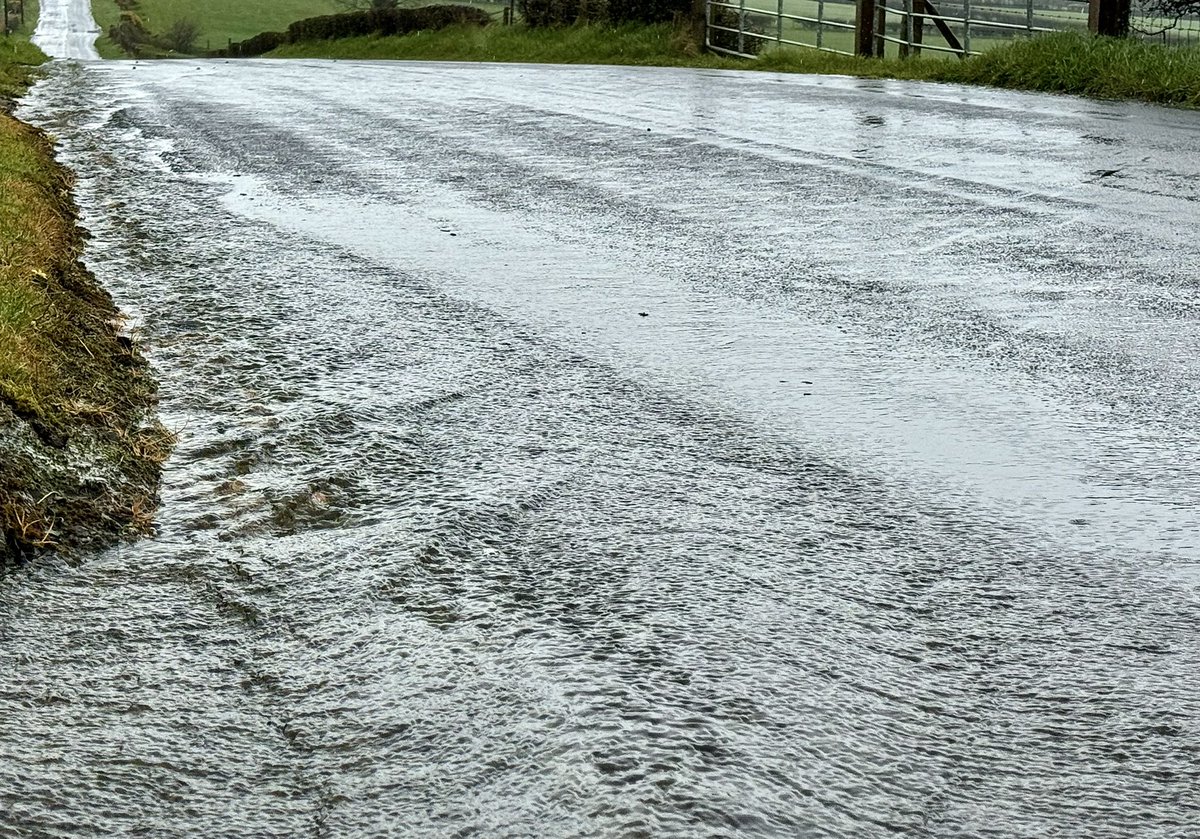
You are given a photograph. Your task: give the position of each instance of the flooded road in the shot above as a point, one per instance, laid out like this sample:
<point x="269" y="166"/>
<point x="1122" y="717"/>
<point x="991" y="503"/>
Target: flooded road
<point x="66" y="29"/>
<point x="572" y="452"/>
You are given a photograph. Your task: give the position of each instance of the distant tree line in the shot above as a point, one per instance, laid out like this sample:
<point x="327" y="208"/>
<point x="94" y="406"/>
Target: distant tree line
<point x="1172" y="8"/>
<point x="567" y="12"/>
<point x="374" y="21"/>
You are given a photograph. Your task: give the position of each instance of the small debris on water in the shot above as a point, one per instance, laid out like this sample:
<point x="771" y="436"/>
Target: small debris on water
<point x="234" y="487"/>
<point x="643" y="314"/>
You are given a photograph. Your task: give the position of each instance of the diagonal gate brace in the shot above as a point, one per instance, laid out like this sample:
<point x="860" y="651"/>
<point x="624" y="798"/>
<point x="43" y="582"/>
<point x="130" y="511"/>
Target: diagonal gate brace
<point x="942" y="27"/>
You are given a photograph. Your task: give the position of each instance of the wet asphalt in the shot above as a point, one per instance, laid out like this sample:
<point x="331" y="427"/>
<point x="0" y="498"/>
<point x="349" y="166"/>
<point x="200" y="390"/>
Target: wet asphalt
<point x="572" y="451"/>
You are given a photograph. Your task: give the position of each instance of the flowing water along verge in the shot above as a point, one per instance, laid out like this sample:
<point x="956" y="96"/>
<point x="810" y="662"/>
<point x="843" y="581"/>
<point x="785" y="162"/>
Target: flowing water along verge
<point x="553" y="463"/>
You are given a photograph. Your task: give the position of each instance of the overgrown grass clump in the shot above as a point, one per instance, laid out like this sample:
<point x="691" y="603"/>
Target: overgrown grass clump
<point x="18" y="58"/>
<point x="27" y="233"/>
<point x="1058" y="63"/>
<point x="1106" y="68"/>
<point x="58" y="343"/>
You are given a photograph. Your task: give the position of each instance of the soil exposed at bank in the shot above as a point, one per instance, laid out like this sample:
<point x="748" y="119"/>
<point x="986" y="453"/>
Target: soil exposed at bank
<point x="80" y="449"/>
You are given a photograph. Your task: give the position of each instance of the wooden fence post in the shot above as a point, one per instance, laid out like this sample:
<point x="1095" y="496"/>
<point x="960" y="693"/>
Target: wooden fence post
<point x="1109" y="17"/>
<point x="918" y="27"/>
<point x="864" y="29"/>
<point x="698" y="23"/>
<point x="880" y="28"/>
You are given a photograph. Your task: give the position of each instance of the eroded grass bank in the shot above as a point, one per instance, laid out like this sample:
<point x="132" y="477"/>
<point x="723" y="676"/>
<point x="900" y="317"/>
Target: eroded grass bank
<point x="1060" y="63"/>
<point x="80" y="452"/>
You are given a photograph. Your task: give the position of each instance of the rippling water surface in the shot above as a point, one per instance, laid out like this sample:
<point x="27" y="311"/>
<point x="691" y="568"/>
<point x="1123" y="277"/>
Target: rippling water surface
<point x="613" y="452"/>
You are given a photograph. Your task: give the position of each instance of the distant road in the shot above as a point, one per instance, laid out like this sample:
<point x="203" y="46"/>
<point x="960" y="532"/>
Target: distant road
<point x="66" y="29"/>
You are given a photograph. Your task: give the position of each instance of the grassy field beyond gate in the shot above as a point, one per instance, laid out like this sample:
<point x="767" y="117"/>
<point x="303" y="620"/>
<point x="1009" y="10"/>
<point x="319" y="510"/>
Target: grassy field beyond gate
<point x="220" y="21"/>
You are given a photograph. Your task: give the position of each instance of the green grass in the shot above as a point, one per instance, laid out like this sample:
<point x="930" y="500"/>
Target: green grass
<point x="22" y="246"/>
<point x="65" y="375"/>
<point x="1104" y="68"/>
<point x="1058" y="63"/>
<point x="220" y="20"/>
<point x="18" y="57"/>
<point x="47" y="364"/>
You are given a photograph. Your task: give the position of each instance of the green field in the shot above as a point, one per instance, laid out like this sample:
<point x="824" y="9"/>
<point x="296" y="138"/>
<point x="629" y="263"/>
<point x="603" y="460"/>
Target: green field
<point x="220" y="21"/>
<point x="24" y="31"/>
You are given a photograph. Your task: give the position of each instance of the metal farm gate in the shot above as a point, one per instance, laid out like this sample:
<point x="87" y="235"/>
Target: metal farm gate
<point x="910" y="27"/>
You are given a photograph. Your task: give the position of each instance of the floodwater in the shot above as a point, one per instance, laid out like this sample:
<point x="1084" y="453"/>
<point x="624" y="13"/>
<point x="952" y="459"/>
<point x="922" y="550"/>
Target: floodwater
<point x="66" y="29"/>
<point x="573" y="452"/>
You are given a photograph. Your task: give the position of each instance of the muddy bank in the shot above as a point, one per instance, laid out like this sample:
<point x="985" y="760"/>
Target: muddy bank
<point x="80" y="448"/>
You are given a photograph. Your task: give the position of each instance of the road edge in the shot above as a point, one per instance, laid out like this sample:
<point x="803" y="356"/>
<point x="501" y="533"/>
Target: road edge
<point x="80" y="467"/>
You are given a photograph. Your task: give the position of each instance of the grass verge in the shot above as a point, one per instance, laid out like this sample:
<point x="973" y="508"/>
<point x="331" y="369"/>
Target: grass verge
<point x="1058" y="63"/>
<point x="1105" y="68"/>
<point x="80" y="454"/>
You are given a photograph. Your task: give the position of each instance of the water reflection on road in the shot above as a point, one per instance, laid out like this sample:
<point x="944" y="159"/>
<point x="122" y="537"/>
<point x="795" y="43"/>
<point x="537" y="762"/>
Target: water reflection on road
<point x="629" y="452"/>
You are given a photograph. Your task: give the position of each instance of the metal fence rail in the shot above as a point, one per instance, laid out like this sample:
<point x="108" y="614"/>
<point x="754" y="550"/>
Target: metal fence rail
<point x="742" y="29"/>
<point x="912" y="27"/>
<point x="965" y="28"/>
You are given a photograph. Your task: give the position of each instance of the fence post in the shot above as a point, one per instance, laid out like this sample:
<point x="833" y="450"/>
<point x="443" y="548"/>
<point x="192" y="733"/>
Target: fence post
<point x="1109" y="17"/>
<point x="918" y="27"/>
<point x="966" y="44"/>
<point x="698" y="22"/>
<point x="864" y="29"/>
<point x="742" y="27"/>
<point x="906" y="31"/>
<point x="779" y="23"/>
<point x="880" y="28"/>
<point x="820" y="22"/>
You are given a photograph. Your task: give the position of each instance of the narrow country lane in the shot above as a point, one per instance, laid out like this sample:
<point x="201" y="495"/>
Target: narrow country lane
<point x="66" y="29"/>
<point x="577" y="452"/>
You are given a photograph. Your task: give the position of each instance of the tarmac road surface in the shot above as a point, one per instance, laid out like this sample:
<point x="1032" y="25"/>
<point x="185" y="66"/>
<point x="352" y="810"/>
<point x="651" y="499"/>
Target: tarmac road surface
<point x="572" y="451"/>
